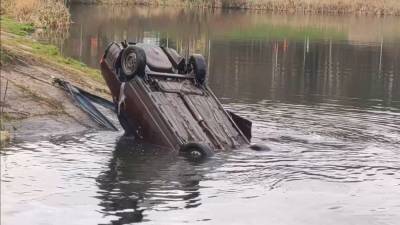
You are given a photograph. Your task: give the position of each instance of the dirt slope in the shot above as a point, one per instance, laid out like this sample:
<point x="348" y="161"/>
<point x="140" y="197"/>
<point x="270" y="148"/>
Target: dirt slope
<point x="33" y="107"/>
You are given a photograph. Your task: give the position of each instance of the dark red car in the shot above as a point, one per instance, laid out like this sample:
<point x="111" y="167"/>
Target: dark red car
<point x="163" y="99"/>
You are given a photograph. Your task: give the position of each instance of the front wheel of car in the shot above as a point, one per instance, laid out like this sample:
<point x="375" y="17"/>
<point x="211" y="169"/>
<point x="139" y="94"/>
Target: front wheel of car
<point x="197" y="65"/>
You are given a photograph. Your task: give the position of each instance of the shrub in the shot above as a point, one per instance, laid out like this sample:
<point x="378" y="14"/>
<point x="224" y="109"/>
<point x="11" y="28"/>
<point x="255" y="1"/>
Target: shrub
<point x="51" y="14"/>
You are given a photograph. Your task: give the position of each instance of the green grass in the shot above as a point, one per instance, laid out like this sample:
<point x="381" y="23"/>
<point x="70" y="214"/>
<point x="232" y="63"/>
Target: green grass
<point x="270" y="32"/>
<point x="5" y="57"/>
<point x="39" y="51"/>
<point x="51" y="53"/>
<point x="14" y="27"/>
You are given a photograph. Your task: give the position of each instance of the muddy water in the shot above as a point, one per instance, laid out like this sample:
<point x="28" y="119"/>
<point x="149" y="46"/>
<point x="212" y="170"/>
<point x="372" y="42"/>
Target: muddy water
<point x="323" y="93"/>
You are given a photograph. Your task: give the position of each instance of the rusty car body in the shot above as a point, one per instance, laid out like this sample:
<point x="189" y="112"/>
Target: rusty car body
<point x="163" y="99"/>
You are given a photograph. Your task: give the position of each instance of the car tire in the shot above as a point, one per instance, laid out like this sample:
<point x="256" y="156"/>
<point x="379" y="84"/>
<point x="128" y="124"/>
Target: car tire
<point x="198" y="66"/>
<point x="196" y="151"/>
<point x="133" y="61"/>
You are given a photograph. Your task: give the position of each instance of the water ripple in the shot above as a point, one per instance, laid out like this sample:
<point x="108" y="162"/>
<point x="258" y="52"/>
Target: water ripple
<point x="346" y="152"/>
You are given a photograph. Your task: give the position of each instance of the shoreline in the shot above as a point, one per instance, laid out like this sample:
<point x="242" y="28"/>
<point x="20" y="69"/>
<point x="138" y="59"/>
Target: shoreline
<point x="33" y="107"/>
<point x="305" y="7"/>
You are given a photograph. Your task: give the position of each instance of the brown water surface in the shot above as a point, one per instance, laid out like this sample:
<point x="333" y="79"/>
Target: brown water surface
<point x="322" y="92"/>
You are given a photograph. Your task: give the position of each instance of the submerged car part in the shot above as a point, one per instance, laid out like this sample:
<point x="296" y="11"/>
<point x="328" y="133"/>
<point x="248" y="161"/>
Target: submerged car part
<point x="164" y="101"/>
<point x="85" y="100"/>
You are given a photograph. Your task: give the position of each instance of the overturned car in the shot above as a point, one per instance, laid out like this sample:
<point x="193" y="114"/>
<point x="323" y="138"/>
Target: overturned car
<point x="163" y="99"/>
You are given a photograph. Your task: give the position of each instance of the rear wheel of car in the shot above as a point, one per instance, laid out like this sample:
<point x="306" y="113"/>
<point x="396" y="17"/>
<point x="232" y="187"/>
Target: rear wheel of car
<point x="196" y="151"/>
<point x="133" y="61"/>
<point x="197" y="65"/>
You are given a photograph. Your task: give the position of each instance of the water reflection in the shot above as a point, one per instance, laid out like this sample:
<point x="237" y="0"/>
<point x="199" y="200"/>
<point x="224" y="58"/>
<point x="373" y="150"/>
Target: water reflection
<point x="326" y="101"/>
<point x="336" y="162"/>
<point x="141" y="177"/>
<point x="305" y="72"/>
<point x="255" y="56"/>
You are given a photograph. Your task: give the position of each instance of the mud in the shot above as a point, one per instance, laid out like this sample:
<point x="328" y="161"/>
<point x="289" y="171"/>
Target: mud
<point x="33" y="107"/>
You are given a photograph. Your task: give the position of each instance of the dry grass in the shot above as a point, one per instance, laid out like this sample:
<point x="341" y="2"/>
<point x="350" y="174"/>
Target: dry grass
<point x="364" y="7"/>
<point x="375" y="7"/>
<point x="51" y="14"/>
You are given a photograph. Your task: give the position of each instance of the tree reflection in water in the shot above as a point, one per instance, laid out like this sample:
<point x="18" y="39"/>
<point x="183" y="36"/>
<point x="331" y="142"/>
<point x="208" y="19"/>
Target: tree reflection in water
<point x="141" y="177"/>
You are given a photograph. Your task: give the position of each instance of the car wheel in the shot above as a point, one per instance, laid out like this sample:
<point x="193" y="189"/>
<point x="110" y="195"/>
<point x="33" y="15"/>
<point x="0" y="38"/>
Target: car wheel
<point x="196" y="151"/>
<point x="133" y="61"/>
<point x="197" y="65"/>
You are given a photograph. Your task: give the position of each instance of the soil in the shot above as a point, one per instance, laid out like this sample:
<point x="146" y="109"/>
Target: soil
<point x="34" y="107"/>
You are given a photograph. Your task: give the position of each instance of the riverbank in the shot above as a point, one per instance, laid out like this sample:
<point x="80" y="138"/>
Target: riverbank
<point x="31" y="106"/>
<point x="329" y="7"/>
<point x="48" y="14"/>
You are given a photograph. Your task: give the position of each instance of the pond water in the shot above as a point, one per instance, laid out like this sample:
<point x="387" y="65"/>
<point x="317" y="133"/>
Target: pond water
<point x="322" y="92"/>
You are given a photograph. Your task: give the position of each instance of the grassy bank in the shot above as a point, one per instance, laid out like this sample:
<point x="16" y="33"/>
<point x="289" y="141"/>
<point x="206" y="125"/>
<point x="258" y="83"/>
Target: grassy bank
<point x="49" y="14"/>
<point x="363" y="7"/>
<point x="17" y="43"/>
<point x="27" y="71"/>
